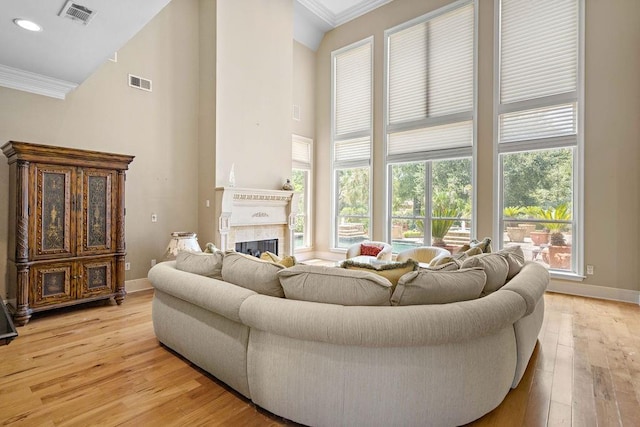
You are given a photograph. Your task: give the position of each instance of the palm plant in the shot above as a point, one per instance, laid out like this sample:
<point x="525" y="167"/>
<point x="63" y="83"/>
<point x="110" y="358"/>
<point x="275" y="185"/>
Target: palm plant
<point x="445" y="210"/>
<point x="559" y="213"/>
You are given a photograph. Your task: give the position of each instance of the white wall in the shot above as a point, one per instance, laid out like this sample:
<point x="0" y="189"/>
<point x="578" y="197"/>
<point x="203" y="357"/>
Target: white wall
<point x="254" y="92"/>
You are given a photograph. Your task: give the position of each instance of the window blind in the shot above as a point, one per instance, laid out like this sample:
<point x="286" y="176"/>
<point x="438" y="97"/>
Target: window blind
<point x="559" y="120"/>
<point x="538" y="49"/>
<point x="301" y="152"/>
<point x="431" y="67"/>
<point x="353" y="97"/>
<point x="431" y="84"/>
<point x="353" y="149"/>
<point x="442" y="137"/>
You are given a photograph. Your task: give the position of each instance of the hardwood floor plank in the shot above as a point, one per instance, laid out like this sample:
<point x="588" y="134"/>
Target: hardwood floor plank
<point x="100" y="364"/>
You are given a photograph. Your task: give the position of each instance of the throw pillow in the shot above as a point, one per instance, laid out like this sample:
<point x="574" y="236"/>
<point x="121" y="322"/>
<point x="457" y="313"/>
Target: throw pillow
<point x="332" y="285"/>
<point x="494" y="265"/>
<point x="210" y="248"/>
<point x="515" y="258"/>
<point x="484" y="245"/>
<point x="449" y="266"/>
<point x="439" y="287"/>
<point x="202" y="263"/>
<point x="369" y="250"/>
<point x="286" y="261"/>
<point x="252" y="273"/>
<point x="392" y="271"/>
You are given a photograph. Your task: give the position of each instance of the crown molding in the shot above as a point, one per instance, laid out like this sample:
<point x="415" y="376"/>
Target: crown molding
<point x="345" y="16"/>
<point x="358" y="10"/>
<point x="14" y="78"/>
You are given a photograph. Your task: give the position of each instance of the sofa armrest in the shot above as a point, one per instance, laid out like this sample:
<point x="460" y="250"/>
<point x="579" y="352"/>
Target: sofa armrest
<point x="211" y="294"/>
<point x="530" y="283"/>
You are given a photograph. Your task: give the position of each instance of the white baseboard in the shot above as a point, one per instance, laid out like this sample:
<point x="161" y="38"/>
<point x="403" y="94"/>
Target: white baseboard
<point x="137" y="285"/>
<point x="592" y="291"/>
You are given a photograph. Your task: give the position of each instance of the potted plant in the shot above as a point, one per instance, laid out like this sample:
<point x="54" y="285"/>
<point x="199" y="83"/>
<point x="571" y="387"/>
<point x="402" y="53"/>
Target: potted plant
<point x="559" y="251"/>
<point x="443" y="207"/>
<point x="514" y="232"/>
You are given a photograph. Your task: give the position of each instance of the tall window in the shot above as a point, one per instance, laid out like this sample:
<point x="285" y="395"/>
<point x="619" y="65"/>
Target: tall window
<point x="352" y="128"/>
<point x="538" y="131"/>
<point x="429" y="124"/>
<point x="302" y="149"/>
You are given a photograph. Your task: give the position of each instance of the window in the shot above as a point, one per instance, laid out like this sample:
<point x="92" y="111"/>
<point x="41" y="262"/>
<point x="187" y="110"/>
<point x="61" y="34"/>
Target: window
<point x="352" y="128"/>
<point x="302" y="149"/>
<point x="429" y="127"/>
<point x="538" y="129"/>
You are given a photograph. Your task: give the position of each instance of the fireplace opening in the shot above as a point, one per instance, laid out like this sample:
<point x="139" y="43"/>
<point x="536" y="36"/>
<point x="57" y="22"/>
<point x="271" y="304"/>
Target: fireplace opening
<point x="257" y="247"/>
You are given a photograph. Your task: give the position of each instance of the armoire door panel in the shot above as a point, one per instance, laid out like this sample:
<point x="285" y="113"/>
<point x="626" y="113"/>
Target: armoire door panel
<point x="53" y="216"/>
<point x="97" y="212"/>
<point x="96" y="278"/>
<point x="52" y="284"/>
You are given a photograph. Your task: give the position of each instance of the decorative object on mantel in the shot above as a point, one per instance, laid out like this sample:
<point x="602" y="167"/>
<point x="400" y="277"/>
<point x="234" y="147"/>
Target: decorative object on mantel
<point x="287" y="185"/>
<point x="181" y="241"/>
<point x="232" y="175"/>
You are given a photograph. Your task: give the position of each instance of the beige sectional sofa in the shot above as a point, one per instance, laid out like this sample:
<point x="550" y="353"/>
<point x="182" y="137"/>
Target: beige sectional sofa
<point x="326" y="364"/>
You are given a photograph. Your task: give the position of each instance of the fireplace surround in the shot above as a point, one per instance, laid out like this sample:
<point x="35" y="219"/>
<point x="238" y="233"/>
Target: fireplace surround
<point x="250" y="214"/>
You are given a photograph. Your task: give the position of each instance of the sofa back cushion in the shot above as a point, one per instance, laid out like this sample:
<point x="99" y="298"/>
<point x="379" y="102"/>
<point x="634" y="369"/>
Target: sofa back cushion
<point x="515" y="258"/>
<point x="202" y="263"/>
<point x="439" y="287"/>
<point x="252" y="273"/>
<point x="335" y="285"/>
<point x="494" y="265"/>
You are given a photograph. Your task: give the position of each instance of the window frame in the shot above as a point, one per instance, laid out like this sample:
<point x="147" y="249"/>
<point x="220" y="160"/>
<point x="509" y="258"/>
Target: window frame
<point x="429" y="156"/>
<point x="576" y="144"/>
<point x="353" y="164"/>
<point x="308" y="195"/>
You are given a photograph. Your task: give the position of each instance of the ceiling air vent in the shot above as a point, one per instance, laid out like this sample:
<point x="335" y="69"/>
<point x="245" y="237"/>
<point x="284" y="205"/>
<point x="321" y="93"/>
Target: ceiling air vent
<point x="77" y="12"/>
<point x="139" y="82"/>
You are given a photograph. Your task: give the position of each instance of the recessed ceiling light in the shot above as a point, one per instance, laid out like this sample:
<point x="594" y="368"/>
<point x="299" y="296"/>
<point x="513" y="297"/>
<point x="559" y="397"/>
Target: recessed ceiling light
<point x="27" y="25"/>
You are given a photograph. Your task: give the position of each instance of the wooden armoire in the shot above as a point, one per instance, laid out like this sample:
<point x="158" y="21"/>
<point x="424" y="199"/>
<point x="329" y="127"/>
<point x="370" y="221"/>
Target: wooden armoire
<point x="66" y="227"/>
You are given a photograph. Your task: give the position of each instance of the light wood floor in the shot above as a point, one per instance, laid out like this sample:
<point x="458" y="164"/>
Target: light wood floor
<point x="102" y="365"/>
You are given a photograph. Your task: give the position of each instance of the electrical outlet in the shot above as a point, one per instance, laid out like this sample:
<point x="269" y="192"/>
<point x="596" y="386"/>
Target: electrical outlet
<point x="127" y="266"/>
<point x="153" y="262"/>
<point x="154" y="218"/>
<point x="589" y="269"/>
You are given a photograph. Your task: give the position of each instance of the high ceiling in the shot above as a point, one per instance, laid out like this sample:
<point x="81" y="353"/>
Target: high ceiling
<point x="66" y="52"/>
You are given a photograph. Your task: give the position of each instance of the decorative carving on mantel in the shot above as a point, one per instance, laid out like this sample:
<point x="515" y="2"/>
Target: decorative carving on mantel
<point x="277" y="198"/>
<point x="260" y="215"/>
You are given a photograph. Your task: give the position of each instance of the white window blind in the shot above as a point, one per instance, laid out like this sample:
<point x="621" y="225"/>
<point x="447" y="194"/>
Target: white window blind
<point x="431" y="67"/>
<point x="301" y="152"/>
<point x="353" y="104"/>
<point x="353" y="90"/>
<point x="555" y="121"/>
<point x="430" y="91"/>
<point x="538" y="49"/>
<point x="454" y="135"/>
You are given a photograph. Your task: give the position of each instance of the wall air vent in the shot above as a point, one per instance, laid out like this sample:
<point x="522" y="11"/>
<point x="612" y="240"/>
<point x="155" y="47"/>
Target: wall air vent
<point x="139" y="83"/>
<point x="77" y="12"/>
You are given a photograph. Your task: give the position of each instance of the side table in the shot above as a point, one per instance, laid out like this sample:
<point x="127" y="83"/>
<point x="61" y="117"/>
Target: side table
<point x="7" y="330"/>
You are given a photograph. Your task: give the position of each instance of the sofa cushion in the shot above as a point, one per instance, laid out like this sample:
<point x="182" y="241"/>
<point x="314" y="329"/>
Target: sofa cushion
<point x="439" y="287"/>
<point x="252" y="273"/>
<point x="515" y="258"/>
<point x="285" y="261"/>
<point x="449" y="266"/>
<point x="494" y="265"/>
<point x="459" y="257"/>
<point x="391" y="271"/>
<point x="202" y="263"/>
<point x="335" y="285"/>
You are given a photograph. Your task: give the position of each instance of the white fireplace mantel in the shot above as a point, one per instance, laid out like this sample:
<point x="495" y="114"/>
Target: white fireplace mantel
<point x="246" y="214"/>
